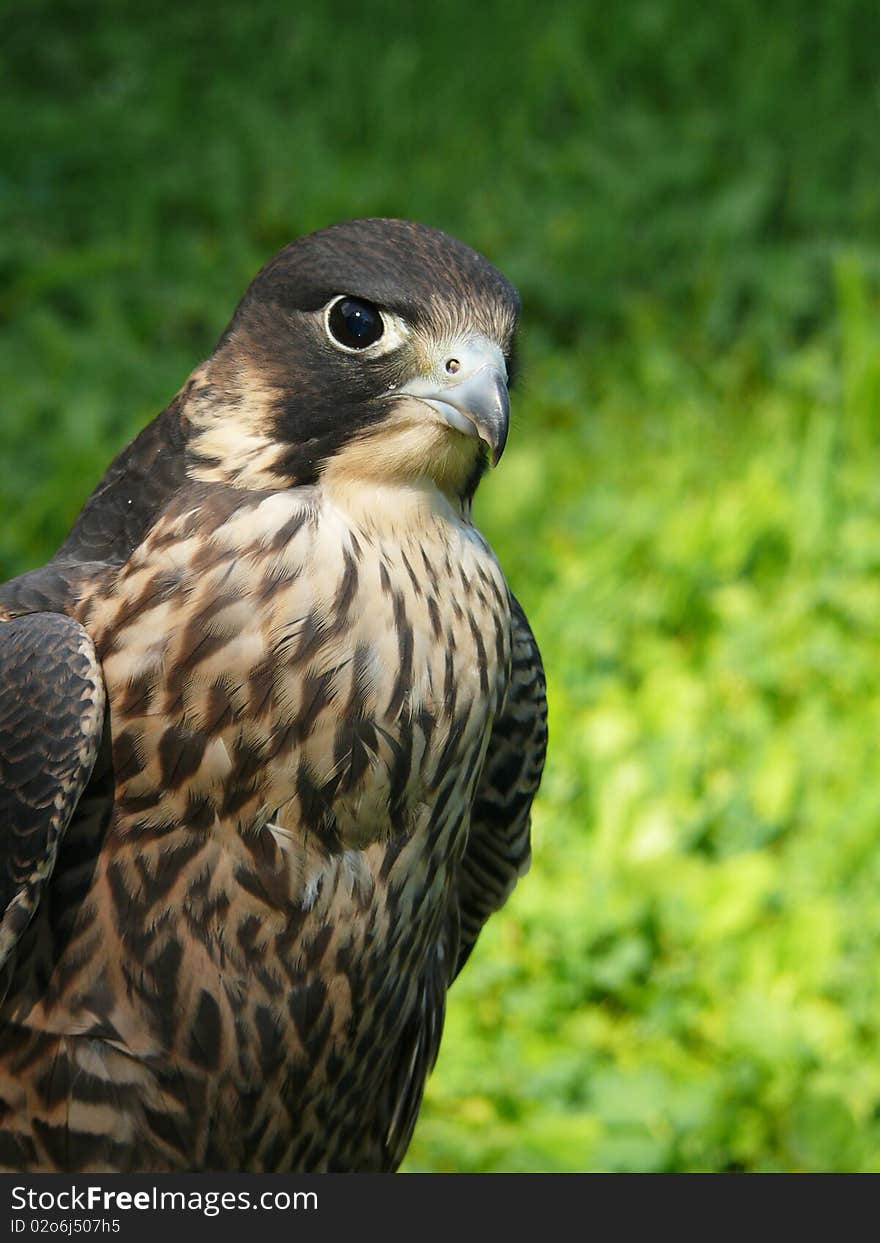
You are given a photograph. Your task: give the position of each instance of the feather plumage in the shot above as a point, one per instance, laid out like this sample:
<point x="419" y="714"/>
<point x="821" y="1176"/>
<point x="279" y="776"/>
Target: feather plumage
<point x="324" y="725"/>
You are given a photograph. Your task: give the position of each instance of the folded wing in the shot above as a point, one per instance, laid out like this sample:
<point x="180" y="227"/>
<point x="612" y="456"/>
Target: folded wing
<point x="52" y="704"/>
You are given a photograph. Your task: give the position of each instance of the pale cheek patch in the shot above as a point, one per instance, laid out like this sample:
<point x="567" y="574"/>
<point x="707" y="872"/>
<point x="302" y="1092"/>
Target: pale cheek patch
<point x="230" y="454"/>
<point x="231" y="412"/>
<point x="413" y="443"/>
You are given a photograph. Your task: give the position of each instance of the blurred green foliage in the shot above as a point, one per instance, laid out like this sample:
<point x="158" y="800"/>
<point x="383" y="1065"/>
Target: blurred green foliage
<point x="688" y="198"/>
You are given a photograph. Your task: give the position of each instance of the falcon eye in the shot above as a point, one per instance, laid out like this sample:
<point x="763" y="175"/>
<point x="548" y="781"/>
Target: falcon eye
<point x="354" y="323"/>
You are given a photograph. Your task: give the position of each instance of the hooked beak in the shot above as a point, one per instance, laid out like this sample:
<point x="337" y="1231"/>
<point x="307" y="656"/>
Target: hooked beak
<point x="468" y="389"/>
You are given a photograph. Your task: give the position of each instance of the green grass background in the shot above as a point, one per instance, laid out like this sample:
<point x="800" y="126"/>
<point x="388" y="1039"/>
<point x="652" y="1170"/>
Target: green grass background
<point x="688" y="197"/>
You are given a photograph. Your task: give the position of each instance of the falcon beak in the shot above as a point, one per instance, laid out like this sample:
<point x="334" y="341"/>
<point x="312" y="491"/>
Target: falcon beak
<point x="468" y="389"/>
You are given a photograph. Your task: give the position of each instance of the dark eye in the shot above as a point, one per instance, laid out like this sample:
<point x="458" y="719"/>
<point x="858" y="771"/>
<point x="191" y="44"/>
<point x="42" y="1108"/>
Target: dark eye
<point x="355" y="323"/>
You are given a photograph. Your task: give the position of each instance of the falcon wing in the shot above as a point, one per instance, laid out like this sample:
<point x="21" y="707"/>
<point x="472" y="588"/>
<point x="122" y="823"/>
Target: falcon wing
<point x="51" y="721"/>
<point x="498" y="848"/>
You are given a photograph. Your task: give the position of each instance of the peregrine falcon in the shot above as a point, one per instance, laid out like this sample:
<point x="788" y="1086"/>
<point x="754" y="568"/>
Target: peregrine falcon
<point x="271" y="723"/>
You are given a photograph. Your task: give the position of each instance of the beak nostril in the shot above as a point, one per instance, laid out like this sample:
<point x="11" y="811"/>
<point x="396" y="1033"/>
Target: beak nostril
<point x="453" y="366"/>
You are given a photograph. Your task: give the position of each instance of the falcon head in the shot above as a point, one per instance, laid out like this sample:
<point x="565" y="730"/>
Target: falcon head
<point x="378" y="349"/>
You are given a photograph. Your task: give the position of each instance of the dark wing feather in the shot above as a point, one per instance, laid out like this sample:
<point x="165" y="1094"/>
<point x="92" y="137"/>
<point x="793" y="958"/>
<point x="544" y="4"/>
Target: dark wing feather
<point x="498" y="848"/>
<point x="497" y="853"/>
<point x="51" y="721"/>
<point x="414" y="1057"/>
